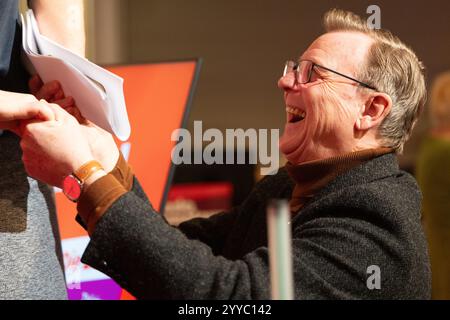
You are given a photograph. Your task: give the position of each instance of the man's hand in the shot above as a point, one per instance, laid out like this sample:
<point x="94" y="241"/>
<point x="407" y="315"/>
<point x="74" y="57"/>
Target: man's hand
<point x="101" y="142"/>
<point x="17" y="106"/>
<point x="102" y="145"/>
<point x="54" y="149"/>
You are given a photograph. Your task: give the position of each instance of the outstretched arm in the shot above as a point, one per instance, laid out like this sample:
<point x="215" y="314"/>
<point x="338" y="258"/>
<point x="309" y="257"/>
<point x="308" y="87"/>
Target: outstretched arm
<point x="17" y="106"/>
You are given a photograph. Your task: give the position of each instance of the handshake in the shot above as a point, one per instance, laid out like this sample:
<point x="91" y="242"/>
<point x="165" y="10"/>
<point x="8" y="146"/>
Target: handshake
<point x="55" y="138"/>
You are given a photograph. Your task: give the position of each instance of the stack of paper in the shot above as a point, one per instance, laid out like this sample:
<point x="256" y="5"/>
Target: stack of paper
<point x="98" y="93"/>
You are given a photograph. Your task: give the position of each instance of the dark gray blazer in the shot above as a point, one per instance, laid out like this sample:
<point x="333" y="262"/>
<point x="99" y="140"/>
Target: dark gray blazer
<point x="367" y="216"/>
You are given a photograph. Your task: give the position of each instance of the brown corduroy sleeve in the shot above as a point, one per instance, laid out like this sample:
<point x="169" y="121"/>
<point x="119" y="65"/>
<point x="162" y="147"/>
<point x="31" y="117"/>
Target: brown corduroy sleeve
<point x="123" y="173"/>
<point x="95" y="200"/>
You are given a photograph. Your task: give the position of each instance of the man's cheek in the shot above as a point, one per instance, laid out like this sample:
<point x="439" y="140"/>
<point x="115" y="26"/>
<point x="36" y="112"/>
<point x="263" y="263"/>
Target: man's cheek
<point x="330" y="88"/>
<point x="318" y="117"/>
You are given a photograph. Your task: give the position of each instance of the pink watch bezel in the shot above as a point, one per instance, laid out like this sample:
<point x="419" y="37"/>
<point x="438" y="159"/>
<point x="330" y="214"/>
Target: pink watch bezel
<point x="72" y="187"/>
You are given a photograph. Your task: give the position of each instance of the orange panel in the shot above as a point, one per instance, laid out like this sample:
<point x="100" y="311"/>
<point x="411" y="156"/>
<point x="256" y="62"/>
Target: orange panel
<point x="156" y="96"/>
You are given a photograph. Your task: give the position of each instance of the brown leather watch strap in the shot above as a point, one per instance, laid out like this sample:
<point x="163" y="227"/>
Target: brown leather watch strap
<point x="87" y="169"/>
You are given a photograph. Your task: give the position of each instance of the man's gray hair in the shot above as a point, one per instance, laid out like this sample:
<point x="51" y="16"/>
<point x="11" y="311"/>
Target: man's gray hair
<point x="391" y="67"/>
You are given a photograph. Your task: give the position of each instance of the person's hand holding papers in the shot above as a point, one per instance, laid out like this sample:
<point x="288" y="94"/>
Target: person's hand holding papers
<point x="51" y="92"/>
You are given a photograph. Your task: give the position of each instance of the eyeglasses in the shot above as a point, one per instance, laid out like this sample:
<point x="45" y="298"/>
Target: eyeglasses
<point x="303" y="71"/>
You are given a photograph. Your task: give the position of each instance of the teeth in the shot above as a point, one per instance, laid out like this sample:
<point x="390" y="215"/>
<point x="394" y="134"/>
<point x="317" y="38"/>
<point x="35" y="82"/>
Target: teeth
<point x="296" y="111"/>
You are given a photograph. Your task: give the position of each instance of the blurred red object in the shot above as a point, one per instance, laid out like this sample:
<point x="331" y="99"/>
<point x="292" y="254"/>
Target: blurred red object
<point x="207" y="196"/>
<point x="197" y="200"/>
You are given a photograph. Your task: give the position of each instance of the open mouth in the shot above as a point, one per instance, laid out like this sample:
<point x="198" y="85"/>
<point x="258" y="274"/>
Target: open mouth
<point x="295" y="114"/>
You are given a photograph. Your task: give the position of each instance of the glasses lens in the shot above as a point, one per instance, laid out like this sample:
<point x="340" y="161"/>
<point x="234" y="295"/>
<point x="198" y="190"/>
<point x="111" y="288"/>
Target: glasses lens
<point x="304" y="71"/>
<point x="289" y="67"/>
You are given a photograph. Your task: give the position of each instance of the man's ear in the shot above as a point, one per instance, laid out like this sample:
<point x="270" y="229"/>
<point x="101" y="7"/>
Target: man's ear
<point x="373" y="112"/>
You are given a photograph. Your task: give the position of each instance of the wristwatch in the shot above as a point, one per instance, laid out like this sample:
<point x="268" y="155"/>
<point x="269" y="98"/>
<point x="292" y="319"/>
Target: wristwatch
<point x="73" y="183"/>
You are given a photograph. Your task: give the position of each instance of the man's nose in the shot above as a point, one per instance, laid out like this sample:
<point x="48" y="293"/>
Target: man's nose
<point x="287" y="82"/>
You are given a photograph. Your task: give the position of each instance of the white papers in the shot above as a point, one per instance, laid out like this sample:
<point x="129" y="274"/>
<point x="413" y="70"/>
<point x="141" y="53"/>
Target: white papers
<point x="98" y="93"/>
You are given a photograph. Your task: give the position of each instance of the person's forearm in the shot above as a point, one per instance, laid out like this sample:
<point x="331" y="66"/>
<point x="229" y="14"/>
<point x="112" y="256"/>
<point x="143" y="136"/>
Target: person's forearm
<point x="62" y="21"/>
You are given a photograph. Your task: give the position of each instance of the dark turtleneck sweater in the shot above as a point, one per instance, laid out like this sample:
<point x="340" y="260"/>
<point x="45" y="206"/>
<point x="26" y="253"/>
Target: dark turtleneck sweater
<point x="311" y="176"/>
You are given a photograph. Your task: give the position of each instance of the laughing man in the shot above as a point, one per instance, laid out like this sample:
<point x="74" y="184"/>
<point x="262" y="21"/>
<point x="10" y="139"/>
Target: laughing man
<point x="351" y="101"/>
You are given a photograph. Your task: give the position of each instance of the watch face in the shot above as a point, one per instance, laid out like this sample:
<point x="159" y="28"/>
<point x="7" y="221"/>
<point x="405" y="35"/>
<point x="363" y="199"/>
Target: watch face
<point x="71" y="188"/>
